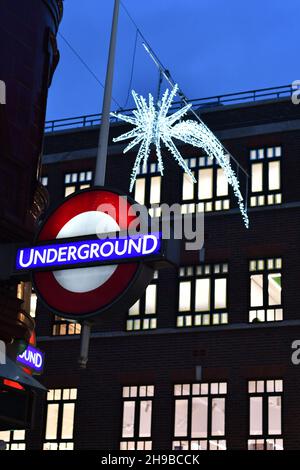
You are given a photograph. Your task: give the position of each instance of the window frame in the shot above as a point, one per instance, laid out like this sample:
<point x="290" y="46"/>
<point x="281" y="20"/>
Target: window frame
<point x="136" y="440"/>
<point x="266" y="196"/>
<point x="87" y="182"/>
<point x="59" y="322"/>
<point x="147" y="172"/>
<point x="13" y="442"/>
<point x="266" y="308"/>
<point x="142" y="316"/>
<point x="210" y="439"/>
<point x="59" y="427"/>
<point x="213" y="313"/>
<point x="265" y="436"/>
<point x="216" y="203"/>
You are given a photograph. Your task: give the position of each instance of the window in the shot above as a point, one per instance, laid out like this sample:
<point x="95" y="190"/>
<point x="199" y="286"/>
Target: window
<point x="148" y="188"/>
<point x="60" y="419"/>
<point x="265" y="176"/>
<point x="142" y="314"/>
<point x="21" y="290"/>
<point x="137" y="417"/>
<point x="76" y="181"/>
<point x="265" y="415"/>
<point x="210" y="192"/>
<point x="15" y="440"/>
<point x="62" y="327"/>
<point x="203" y="295"/>
<point x="265" y="290"/>
<point x="33" y="303"/>
<point x="199" y="416"/>
<point x="44" y="181"/>
<point x="27" y="294"/>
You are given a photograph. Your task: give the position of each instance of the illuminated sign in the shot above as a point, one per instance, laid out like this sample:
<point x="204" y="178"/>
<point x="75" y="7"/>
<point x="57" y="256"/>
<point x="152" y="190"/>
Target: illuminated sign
<point x="84" y="276"/>
<point x="88" y="251"/>
<point x="93" y="255"/>
<point x="32" y="358"/>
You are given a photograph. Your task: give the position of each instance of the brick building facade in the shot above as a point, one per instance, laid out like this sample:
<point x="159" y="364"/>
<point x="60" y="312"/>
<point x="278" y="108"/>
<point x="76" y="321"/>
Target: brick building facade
<point x="204" y="359"/>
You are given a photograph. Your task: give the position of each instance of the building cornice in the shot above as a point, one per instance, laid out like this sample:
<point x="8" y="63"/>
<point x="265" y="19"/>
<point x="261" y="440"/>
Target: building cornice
<point x="228" y="134"/>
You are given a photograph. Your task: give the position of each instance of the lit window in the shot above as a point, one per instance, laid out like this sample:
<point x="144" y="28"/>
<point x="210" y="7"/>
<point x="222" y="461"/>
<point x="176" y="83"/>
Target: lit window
<point x="222" y="183"/>
<point x="26" y="293"/>
<point x="202" y="295"/>
<point x="21" y="290"/>
<point x="69" y="190"/>
<point x="202" y="300"/>
<point x="44" y="181"/>
<point x="77" y="181"/>
<point x="274" y="176"/>
<point x="256" y="177"/>
<point x="265" y="176"/>
<point x="150" y="299"/>
<point x="265" y="290"/>
<point x="139" y="191"/>
<point x="60" y="419"/>
<point x="187" y="187"/>
<point x="199" y="416"/>
<point x="210" y="192"/>
<point x="205" y="186"/>
<point x="142" y="315"/>
<point x="14" y="440"/>
<point x="265" y="415"/>
<point x="148" y="188"/>
<point x="155" y="184"/>
<point x="137" y="417"/>
<point x="62" y="327"/>
<point x="185" y="296"/>
<point x="33" y="303"/>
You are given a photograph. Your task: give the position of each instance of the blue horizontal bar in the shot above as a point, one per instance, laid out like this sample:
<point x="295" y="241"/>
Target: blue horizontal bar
<point x="88" y="251"/>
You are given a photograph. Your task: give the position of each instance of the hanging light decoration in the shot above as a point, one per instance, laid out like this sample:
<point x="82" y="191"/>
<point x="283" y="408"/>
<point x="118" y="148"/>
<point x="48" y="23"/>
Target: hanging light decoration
<point x="153" y="126"/>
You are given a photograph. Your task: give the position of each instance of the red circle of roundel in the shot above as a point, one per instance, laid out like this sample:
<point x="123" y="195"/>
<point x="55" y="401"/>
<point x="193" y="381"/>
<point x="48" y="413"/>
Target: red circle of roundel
<point x="83" y="303"/>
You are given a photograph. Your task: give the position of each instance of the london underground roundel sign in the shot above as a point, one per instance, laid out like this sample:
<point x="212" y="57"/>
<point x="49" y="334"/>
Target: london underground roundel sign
<point x="83" y="292"/>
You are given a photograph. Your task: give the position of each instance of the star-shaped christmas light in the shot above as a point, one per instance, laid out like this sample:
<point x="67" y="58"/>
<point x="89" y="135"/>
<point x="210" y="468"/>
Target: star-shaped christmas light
<point x="154" y="127"/>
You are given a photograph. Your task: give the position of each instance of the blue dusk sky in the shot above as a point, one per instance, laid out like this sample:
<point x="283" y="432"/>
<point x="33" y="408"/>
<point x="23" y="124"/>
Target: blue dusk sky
<point x="210" y="47"/>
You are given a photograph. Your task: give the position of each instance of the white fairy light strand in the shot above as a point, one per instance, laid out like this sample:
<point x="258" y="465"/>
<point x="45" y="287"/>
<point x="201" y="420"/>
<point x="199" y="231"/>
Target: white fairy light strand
<point x="153" y="126"/>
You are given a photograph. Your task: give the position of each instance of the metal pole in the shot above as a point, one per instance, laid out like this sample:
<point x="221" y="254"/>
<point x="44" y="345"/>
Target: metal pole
<point x="104" y="128"/>
<point x="101" y="156"/>
<point x="84" y="345"/>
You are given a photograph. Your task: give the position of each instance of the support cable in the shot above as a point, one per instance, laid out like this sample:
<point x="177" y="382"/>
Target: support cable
<point x="165" y="72"/>
<point x="86" y="66"/>
<point x="132" y="68"/>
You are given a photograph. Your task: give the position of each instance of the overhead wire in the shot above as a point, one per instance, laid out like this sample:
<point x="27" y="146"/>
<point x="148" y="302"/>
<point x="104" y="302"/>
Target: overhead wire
<point x="171" y="81"/>
<point x="83" y="62"/>
<point x="132" y="68"/>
